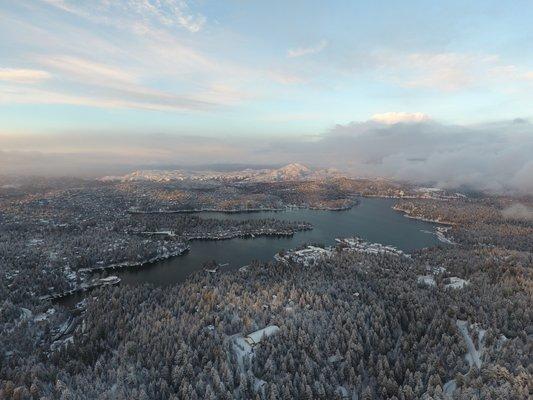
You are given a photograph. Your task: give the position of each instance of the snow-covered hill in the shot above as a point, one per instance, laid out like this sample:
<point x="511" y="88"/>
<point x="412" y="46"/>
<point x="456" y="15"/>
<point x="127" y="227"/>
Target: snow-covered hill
<point x="290" y="172"/>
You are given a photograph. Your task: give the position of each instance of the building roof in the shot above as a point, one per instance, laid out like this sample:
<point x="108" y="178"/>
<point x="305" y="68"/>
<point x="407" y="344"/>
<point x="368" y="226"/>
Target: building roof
<point x="256" y="336"/>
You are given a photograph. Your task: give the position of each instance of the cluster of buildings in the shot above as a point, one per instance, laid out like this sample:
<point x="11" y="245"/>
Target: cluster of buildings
<point x="359" y="245"/>
<point x="310" y="255"/>
<point x="307" y="256"/>
<point x="452" y="283"/>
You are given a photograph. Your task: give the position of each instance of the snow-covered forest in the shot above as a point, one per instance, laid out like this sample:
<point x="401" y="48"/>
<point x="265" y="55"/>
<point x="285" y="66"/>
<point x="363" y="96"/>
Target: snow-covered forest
<point x="447" y="322"/>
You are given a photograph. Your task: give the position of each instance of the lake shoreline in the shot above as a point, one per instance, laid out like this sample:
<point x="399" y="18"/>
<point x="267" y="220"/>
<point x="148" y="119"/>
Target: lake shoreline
<point x="85" y="285"/>
<point x="408" y="214"/>
<point x="244" y="211"/>
<point x="375" y="220"/>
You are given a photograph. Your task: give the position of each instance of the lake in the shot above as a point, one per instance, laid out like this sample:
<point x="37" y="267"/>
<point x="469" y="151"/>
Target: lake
<point x="373" y="220"/>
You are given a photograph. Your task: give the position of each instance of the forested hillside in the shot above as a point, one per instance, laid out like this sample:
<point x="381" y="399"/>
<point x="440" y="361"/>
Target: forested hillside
<point x="353" y="323"/>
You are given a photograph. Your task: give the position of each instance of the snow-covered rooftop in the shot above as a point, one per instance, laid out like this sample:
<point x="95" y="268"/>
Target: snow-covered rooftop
<point x="255" y="337"/>
<point x="426" y="279"/>
<point x="457" y="283"/>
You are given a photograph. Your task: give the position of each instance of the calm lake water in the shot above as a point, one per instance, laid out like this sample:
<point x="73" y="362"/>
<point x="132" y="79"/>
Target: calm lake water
<point x="373" y="220"/>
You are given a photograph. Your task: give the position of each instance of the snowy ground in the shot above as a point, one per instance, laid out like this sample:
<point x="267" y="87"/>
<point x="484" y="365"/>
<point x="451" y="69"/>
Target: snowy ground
<point x="426" y="280"/>
<point x="449" y="387"/>
<point x="473" y="357"/>
<point x="244" y="352"/>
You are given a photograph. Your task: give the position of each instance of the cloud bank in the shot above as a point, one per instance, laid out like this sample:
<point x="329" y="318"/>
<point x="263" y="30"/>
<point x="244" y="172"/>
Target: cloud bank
<point x="494" y="157"/>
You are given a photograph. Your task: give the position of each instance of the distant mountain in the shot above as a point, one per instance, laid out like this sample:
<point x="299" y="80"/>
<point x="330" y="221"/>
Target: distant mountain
<point x="290" y="172"/>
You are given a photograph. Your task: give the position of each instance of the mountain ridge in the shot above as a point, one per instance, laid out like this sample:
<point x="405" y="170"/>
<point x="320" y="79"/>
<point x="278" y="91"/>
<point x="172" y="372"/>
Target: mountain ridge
<point x="290" y="172"/>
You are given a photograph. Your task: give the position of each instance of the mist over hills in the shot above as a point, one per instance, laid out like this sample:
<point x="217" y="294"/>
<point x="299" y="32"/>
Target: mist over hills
<point x="491" y="157"/>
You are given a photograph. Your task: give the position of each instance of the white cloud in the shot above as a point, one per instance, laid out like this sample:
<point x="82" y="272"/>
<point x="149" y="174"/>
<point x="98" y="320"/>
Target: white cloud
<point x="397" y="117"/>
<point x="87" y="70"/>
<point x="518" y="211"/>
<point x="448" y="71"/>
<point x="524" y="177"/>
<point x="156" y="69"/>
<point x="162" y="12"/>
<point x="143" y="98"/>
<point x="97" y="84"/>
<point x="494" y="157"/>
<point x="125" y="74"/>
<point x="303" y="51"/>
<point x="23" y="75"/>
<point x="285" y="78"/>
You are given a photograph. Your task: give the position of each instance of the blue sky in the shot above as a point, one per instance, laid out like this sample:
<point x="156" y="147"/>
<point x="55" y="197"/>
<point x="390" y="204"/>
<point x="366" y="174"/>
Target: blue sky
<point x="426" y="91"/>
<point x="275" y="68"/>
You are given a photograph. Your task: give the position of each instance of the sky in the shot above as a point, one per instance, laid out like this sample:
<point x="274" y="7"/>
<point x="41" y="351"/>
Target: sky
<point x="175" y="81"/>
